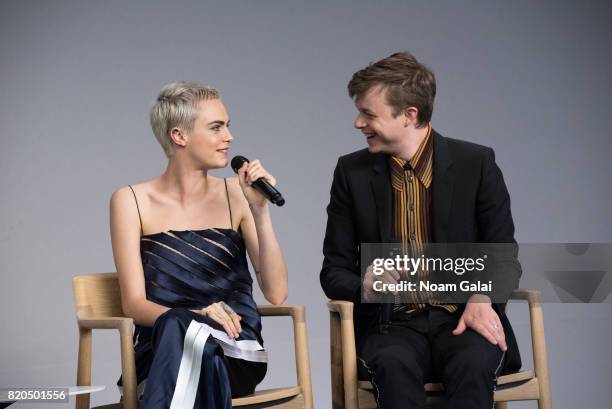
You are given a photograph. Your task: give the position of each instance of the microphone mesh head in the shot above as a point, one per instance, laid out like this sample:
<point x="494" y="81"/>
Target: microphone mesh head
<point x="237" y="162"/>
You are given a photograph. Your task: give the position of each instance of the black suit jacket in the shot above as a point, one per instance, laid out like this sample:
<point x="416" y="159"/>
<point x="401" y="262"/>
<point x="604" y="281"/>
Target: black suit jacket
<point x="470" y="204"/>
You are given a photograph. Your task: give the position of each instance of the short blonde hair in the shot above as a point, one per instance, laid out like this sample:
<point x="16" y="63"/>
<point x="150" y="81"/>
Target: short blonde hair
<point x="176" y="106"/>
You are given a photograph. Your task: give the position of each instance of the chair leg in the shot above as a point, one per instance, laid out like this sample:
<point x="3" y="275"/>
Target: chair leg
<point x="84" y="367"/>
<point x="128" y="373"/>
<point x="337" y="376"/>
<point x="345" y="389"/>
<point x="544" y="402"/>
<point x="302" y="359"/>
<point x="540" y="356"/>
<point x="349" y="365"/>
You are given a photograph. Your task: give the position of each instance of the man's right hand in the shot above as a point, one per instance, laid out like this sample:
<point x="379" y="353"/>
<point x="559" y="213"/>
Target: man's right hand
<point x="387" y="277"/>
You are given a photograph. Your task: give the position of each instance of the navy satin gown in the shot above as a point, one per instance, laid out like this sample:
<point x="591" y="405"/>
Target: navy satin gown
<point x="187" y="360"/>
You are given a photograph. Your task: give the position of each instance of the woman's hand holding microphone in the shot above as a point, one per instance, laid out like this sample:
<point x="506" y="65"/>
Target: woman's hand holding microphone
<point x="248" y="173"/>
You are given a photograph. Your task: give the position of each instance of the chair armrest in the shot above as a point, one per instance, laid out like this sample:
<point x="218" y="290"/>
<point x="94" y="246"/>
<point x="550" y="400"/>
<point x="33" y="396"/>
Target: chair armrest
<point x="343" y="308"/>
<point x="123" y="324"/>
<point x="297" y="312"/>
<point x="531" y="295"/>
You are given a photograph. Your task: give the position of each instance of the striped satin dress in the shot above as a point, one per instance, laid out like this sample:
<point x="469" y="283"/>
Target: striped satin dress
<point x="186" y="359"/>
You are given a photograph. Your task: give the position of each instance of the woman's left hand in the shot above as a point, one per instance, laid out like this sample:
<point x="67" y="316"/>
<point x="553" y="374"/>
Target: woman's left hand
<point x="249" y="173"/>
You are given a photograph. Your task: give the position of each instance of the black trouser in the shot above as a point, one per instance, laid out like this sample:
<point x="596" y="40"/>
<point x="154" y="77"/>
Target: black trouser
<point x="422" y="349"/>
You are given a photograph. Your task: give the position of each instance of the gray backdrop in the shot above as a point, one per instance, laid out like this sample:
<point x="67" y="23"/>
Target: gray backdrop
<point x="77" y="79"/>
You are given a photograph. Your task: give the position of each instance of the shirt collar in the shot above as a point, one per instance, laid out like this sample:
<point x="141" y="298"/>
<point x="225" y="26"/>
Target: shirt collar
<point x="421" y="163"/>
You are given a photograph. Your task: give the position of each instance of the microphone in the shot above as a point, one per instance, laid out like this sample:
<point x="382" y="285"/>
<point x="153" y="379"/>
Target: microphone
<point x="260" y="184"/>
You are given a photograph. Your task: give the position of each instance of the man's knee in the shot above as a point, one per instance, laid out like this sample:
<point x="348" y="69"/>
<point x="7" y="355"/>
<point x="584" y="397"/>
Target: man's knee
<point x="395" y="361"/>
<point x="480" y="363"/>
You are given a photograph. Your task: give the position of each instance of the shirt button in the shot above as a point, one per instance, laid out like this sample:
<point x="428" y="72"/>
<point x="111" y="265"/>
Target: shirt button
<point x="412" y="236"/>
<point x="411" y="207"/>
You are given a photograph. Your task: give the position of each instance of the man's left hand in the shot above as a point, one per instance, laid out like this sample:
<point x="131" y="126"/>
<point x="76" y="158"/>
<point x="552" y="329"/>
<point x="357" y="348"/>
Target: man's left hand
<point x="480" y="316"/>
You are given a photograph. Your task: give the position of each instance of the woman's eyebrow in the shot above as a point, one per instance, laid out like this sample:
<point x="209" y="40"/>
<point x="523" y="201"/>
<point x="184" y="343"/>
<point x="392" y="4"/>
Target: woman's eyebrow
<point x="218" y="122"/>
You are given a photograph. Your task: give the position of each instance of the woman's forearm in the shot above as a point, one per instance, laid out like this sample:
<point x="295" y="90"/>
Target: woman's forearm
<point x="272" y="267"/>
<point x="144" y="312"/>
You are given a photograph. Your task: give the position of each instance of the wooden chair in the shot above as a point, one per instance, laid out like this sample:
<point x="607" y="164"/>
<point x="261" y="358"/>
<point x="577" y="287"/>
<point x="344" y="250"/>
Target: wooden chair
<point x="349" y="393"/>
<point x="98" y="303"/>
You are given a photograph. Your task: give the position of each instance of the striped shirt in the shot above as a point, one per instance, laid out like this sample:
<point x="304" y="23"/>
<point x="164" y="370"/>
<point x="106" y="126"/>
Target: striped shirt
<point x="411" y="182"/>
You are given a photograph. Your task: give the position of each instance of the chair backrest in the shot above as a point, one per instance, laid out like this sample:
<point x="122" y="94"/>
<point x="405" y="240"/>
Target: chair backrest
<point x="97" y="295"/>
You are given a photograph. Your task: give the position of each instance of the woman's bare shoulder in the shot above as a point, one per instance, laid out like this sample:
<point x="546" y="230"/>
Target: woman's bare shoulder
<point x="127" y="193"/>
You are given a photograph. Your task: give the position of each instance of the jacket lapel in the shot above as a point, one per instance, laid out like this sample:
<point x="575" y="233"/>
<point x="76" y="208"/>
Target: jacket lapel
<point x="381" y="188"/>
<point x="443" y="178"/>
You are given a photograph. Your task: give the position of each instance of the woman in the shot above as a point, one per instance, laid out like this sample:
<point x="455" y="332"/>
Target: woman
<point x="180" y="243"/>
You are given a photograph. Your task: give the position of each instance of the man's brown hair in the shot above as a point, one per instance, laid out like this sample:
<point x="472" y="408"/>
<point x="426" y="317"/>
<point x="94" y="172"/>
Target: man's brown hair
<point x="408" y="84"/>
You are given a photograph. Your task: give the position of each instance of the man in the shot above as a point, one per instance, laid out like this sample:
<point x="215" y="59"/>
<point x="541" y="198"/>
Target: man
<point x="415" y="186"/>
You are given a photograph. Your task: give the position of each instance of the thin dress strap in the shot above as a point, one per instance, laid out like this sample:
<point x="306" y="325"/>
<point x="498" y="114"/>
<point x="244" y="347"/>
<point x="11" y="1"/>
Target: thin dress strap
<point x="137" y="208"/>
<point x="228" y="204"/>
